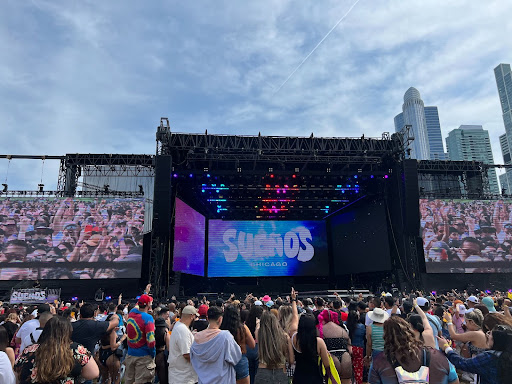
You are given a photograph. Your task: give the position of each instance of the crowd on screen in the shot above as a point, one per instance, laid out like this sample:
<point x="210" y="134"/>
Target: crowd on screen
<point x="51" y="234"/>
<point x="449" y="338"/>
<point x="467" y="231"/>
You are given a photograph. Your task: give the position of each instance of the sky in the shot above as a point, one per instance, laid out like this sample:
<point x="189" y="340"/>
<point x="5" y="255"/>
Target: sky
<point x="95" y="77"/>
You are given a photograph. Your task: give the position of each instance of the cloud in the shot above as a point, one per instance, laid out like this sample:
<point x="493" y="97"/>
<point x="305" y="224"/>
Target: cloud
<point x="96" y="77"/>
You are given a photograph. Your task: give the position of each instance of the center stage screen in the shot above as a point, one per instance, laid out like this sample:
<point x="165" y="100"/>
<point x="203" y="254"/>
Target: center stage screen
<point x="189" y="238"/>
<point x="267" y="248"/>
<point x="467" y="236"/>
<point x="70" y="238"/>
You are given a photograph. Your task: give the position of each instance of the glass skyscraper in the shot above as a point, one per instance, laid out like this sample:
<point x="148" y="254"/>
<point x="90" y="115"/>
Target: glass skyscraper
<point x="471" y="142"/>
<point x="426" y="129"/>
<point x="503" y="76"/>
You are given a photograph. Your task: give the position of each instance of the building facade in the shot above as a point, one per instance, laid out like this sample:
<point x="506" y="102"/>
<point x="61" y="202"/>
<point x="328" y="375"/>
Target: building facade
<point x="471" y="142"/>
<point x="503" y="76"/>
<point x="426" y="128"/>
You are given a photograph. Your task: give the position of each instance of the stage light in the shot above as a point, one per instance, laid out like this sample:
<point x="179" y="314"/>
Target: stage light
<point x="207" y="175"/>
<point x="175" y="175"/>
<point x="75" y="298"/>
<point x="294" y="176"/>
<point x="355" y="176"/>
<point x="371" y="177"/>
<point x="386" y="176"/>
<point x="191" y="175"/>
<point x="5" y="187"/>
<point x="271" y="176"/>
<point x="108" y="298"/>
<point x="137" y="298"/>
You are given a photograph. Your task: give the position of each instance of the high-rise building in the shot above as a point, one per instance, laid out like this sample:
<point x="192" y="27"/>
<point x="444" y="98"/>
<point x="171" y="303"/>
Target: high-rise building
<point x="471" y="142"/>
<point x="426" y="129"/>
<point x="503" y="76"/>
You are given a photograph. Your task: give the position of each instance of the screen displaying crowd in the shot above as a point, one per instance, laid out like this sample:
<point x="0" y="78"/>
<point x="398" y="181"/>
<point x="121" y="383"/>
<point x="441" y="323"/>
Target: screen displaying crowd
<point x="70" y="238"/>
<point x="467" y="236"/>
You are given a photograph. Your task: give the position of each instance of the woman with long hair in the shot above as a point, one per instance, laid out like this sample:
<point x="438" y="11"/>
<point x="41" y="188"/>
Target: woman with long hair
<point x="493" y="366"/>
<point x="307" y="348"/>
<point x="231" y="322"/>
<point x="12" y="323"/>
<point x="55" y="359"/>
<point x="252" y="353"/>
<point x="357" y="332"/>
<point x="337" y="341"/>
<point x="405" y="352"/>
<point x="493" y="319"/>
<point x="110" y="354"/>
<point x="274" y="350"/>
<point x="421" y="326"/>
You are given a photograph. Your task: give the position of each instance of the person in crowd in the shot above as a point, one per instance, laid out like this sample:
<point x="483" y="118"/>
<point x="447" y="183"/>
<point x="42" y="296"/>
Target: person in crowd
<point x="34" y="335"/>
<point x="55" y="358"/>
<point x="5" y="349"/>
<point x="231" y="322"/>
<point x="274" y="349"/>
<point x="390" y="306"/>
<point x="404" y="351"/>
<point x="6" y="359"/>
<point x="11" y="324"/>
<point x="421" y="326"/>
<point x="357" y="333"/>
<point x="88" y="331"/>
<point x="253" y="319"/>
<point x="319" y="306"/>
<point x="433" y="320"/>
<point x="375" y="302"/>
<point x="474" y="338"/>
<point x="180" y="368"/>
<point x="375" y="334"/>
<point x="162" y="326"/>
<point x="29" y="326"/>
<point x="215" y="352"/>
<point x="472" y="301"/>
<point x="110" y="353"/>
<point x="493" y="319"/>
<point x="337" y="341"/>
<point x="202" y="322"/>
<point x="140" y="328"/>
<point x="307" y="348"/>
<point x="489" y="303"/>
<point x="493" y="366"/>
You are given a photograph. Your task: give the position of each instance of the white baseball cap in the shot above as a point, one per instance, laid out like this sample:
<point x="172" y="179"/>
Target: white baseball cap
<point x="473" y="299"/>
<point x="462" y="309"/>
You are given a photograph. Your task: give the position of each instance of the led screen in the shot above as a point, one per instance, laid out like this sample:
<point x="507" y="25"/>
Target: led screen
<point x="467" y="236"/>
<point x="267" y="248"/>
<point x="70" y="238"/>
<point x="189" y="239"/>
<point x="360" y="240"/>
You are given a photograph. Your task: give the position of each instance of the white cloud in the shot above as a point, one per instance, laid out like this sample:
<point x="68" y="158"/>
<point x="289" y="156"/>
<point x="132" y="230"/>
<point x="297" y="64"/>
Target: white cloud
<point x="96" y="77"/>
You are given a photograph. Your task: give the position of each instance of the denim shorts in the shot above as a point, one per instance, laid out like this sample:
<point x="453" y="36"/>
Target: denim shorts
<point x="242" y="368"/>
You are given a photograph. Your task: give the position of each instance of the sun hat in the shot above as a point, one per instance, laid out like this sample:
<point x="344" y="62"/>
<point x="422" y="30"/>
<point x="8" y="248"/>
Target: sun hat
<point x="489" y="303"/>
<point x="378" y="315"/>
<point x="189" y="310"/>
<point x="266" y="298"/>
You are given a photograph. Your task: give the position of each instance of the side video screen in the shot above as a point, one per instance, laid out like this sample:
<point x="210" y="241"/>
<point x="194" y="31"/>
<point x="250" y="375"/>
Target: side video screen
<point x="467" y="236"/>
<point x="70" y="238"/>
<point x="267" y="248"/>
<point x="189" y="240"/>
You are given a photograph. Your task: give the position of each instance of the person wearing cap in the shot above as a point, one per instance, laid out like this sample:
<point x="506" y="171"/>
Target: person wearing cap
<point x="215" y="352"/>
<point x="489" y="303"/>
<point x="140" y="328"/>
<point x="434" y="321"/>
<point x="375" y="333"/>
<point x="472" y="301"/>
<point x="180" y="368"/>
<point x="201" y="323"/>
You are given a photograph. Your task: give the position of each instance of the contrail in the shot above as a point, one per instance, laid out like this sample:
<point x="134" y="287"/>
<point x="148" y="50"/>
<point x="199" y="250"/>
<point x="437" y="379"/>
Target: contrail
<point x="316" y="46"/>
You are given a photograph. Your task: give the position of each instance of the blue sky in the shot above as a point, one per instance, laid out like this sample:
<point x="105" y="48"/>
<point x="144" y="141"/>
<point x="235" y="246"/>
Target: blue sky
<point x="95" y="77"/>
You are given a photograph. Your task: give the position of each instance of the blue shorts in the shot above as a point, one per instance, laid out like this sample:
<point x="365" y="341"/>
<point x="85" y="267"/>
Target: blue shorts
<point x="242" y="368"/>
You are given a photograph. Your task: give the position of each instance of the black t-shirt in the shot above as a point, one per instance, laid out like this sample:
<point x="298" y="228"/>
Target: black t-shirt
<point x="11" y="329"/>
<point x="88" y="332"/>
<point x="200" y="325"/>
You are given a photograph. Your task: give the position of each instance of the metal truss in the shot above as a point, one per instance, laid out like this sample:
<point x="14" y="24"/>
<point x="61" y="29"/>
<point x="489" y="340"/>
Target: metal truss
<point x="434" y="166"/>
<point x="97" y="193"/>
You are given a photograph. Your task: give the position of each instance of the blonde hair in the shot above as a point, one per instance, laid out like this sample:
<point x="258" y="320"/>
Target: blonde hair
<point x="285" y="317"/>
<point x="272" y="342"/>
<point x="13" y="316"/>
<point x="476" y="316"/>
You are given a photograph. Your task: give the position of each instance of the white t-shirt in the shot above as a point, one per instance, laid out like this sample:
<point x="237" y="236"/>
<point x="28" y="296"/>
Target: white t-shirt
<point x="389" y="311"/>
<point x="27" y="328"/>
<point x="180" y="370"/>
<point x="6" y="372"/>
<point x="367" y="320"/>
<point x="28" y="341"/>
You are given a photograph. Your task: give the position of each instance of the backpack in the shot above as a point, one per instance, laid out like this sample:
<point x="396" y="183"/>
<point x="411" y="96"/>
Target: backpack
<point x="421" y="376"/>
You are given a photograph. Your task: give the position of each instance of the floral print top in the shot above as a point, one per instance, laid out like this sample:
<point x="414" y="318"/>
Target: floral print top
<point x="27" y="370"/>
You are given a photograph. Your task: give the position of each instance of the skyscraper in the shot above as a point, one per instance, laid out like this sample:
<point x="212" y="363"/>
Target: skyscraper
<point x="426" y="129"/>
<point x="471" y="142"/>
<point x="503" y="76"/>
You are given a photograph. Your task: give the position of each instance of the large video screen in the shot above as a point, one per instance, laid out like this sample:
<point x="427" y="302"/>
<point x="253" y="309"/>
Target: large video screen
<point x="70" y="238"/>
<point x="267" y="248"/>
<point x="360" y="241"/>
<point x="189" y="240"/>
<point x="467" y="236"/>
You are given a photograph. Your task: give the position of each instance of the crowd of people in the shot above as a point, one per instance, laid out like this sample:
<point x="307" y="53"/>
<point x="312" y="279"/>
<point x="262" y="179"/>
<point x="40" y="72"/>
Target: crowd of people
<point x="54" y="237"/>
<point x="459" y="232"/>
<point x="450" y="338"/>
